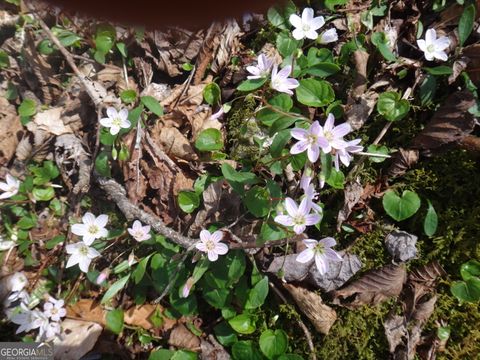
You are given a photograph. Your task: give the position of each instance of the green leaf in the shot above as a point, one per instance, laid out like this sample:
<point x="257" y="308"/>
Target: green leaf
<point x="315" y="93"/>
<point x="401" y="208"/>
<point x="161" y="354"/>
<point x="257" y="201"/>
<point x="336" y="179"/>
<point x="439" y="70"/>
<point x="188" y="201"/>
<point x="391" y="106"/>
<point x="379" y="39"/>
<point x="105" y="38"/>
<point x="128" y="96"/>
<point x="184" y="355"/>
<point x="102" y="165"/>
<point x="270" y="232"/>
<point x="50" y="244"/>
<point x="209" y="140"/>
<point x="115" y="288"/>
<point x="470" y="269"/>
<point x="243" y="324"/>
<point x="290" y="357"/>
<point x="28" y="107"/>
<point x="211" y="94"/>
<point x="330" y="4"/>
<point x="27" y="222"/>
<point x="11" y="93"/>
<point x="237" y="179"/>
<point x="279" y="142"/>
<point x="114" y="321"/>
<point x="377" y="149"/>
<point x="4" y="60"/>
<point x="225" y="334"/>
<point x="258" y="294"/>
<point x="246" y="350"/>
<point x="278" y="16"/>
<point x="467" y="290"/>
<point x="286" y="45"/>
<point x="122" y="48"/>
<point x="465" y="24"/>
<point x="431" y="220"/>
<point x="251" y="84"/>
<point x="282" y="101"/>
<point x="427" y="90"/>
<point x="218" y="298"/>
<point x="273" y="343"/>
<point x="323" y="69"/>
<point x="185" y="306"/>
<point x="152" y="104"/>
<point x="139" y="271"/>
<point x="43" y="194"/>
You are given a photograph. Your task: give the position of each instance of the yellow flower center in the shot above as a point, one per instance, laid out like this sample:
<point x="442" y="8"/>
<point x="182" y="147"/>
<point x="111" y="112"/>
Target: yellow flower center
<point x="93" y="229"/>
<point x="210" y="245"/>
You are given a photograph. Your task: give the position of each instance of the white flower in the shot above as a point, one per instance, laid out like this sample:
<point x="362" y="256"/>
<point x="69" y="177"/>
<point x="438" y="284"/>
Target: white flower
<point x="17" y="295"/>
<point x="311" y="140"/>
<point x="262" y="70"/>
<point x="328" y="36"/>
<point x="298" y="216"/>
<point x="322" y="252"/>
<point x="49" y="331"/>
<point x="210" y="244"/>
<point x="344" y="155"/>
<point x="17" y="281"/>
<point x="432" y="47"/>
<point x="334" y="134"/>
<point x="140" y="232"/>
<point x="81" y="254"/>
<point x="310" y="193"/>
<point x="116" y="120"/>
<point x="306" y="26"/>
<point x="280" y="80"/>
<point x="92" y="228"/>
<point x="54" y="309"/>
<point x="6" y="244"/>
<point x="103" y="276"/>
<point x="10" y="187"/>
<point x="28" y="319"/>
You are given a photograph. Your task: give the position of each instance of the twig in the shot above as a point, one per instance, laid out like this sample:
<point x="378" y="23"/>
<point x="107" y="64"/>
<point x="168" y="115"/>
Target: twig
<point x="131" y="211"/>
<point x="300" y="323"/>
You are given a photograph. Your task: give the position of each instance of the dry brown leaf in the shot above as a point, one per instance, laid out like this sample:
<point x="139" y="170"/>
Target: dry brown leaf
<point x="424" y="310"/>
<point x="373" y="288"/>
<point x="11" y="131"/>
<point x="428" y="273"/>
<point x="352" y="194"/>
<point x="395" y="330"/>
<point x="228" y="45"/>
<point x="87" y="310"/>
<point x="182" y="338"/>
<point x="311" y="304"/>
<point x="403" y="160"/>
<point x="359" y="109"/>
<point x="77" y="338"/>
<point x="450" y="123"/>
<point x="139" y="315"/>
<point x="174" y="144"/>
<point x="50" y="121"/>
<point x="212" y="350"/>
<point x="472" y="52"/>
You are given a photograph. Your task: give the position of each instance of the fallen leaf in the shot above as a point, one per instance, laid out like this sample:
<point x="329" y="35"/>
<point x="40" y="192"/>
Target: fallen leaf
<point x="321" y="316"/>
<point x="11" y="131"/>
<point x="139" y="315"/>
<point x="395" y="330"/>
<point x="360" y="108"/>
<point x="428" y="273"/>
<point x="212" y="350"/>
<point x="352" y="194"/>
<point x="403" y="160"/>
<point x="450" y="123"/>
<point x="373" y="288"/>
<point x="77" y="339"/>
<point x="87" y="310"/>
<point x="182" y="338"/>
<point x="174" y="144"/>
<point x="401" y="245"/>
<point x="424" y="310"/>
<point x="50" y="121"/>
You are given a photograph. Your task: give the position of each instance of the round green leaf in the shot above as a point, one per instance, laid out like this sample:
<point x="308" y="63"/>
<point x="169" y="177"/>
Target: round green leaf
<point x="128" y="96"/>
<point x="251" y="84"/>
<point x="4" y="60"/>
<point x="257" y="201"/>
<point x="188" y="201"/>
<point x="246" y="350"/>
<point x="114" y="320"/>
<point x="102" y="165"/>
<point x="401" y="208"/>
<point x="258" y="294"/>
<point x="273" y="343"/>
<point x="316" y="93"/>
<point x="225" y="334"/>
<point x="105" y="38"/>
<point x="323" y="69"/>
<point x="28" y="107"/>
<point x="209" y="140"/>
<point x="470" y="269"/>
<point x="211" y="93"/>
<point x="391" y="106"/>
<point x="286" y="45"/>
<point x="467" y="290"/>
<point x="41" y="194"/>
<point x="243" y="324"/>
<point x="377" y="149"/>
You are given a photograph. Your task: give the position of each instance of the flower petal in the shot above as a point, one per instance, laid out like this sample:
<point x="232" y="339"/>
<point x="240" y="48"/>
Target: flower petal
<point x="112" y="112"/>
<point x="79" y="229"/>
<point x="205" y="235"/>
<point x="298" y="34"/>
<point x="307" y="15"/>
<point x="305" y="256"/>
<point x="313" y="153"/>
<point x="298" y="229"/>
<point x="217" y="236"/>
<point x="291" y="206"/>
<point x="332" y="255"/>
<point x="72" y="261"/>
<point x="114" y="130"/>
<point x="422" y="45"/>
<point x="341" y="130"/>
<point x="285" y="72"/>
<point x="201" y="246"/>
<point x="299" y="133"/>
<point x="88" y="239"/>
<point x="310" y="243"/>
<point x="92" y="253"/>
<point x="84" y="264"/>
<point x="442" y="43"/>
<point x="321" y="263"/>
<point x="304" y="207"/>
<point x="328" y="242"/>
<point x="221" y="248"/>
<point x="329" y="36"/>
<point x="88" y="218"/>
<point x="106" y="122"/>
<point x="440" y="55"/>
<point x="295" y="20"/>
<point x="123" y="114"/>
<point x="312" y="219"/>
<point x="101" y="220"/>
<point x="299" y="147"/>
<point x="317" y="23"/>
<point x="430" y="37"/>
<point x="212" y="256"/>
<point x="284" y="220"/>
<point x="329" y="123"/>
<point x="311" y="34"/>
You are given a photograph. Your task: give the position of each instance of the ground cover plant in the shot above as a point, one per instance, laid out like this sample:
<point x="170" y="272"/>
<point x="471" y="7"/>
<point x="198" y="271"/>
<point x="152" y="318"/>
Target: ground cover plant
<point x="299" y="184"/>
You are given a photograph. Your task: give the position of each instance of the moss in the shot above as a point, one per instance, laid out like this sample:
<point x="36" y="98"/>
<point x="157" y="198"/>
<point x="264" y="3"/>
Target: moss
<point x="357" y="334"/>
<point x="371" y="250"/>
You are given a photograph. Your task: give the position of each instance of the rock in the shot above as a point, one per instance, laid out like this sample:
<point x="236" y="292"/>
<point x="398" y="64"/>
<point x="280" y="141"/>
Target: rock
<point x="401" y="245"/>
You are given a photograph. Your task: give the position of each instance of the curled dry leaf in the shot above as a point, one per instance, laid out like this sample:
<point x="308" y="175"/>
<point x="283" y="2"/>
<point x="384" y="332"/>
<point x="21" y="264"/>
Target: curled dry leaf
<point x="373" y="288"/>
<point x="140" y="315"/>
<point x="77" y="339"/>
<point x="403" y="160"/>
<point x="352" y="194"/>
<point x="321" y="316"/>
<point x="182" y="338"/>
<point x="401" y="245"/>
<point x="428" y="273"/>
<point x="211" y="350"/>
<point x="50" y="121"/>
<point x="395" y="330"/>
<point x="175" y="144"/>
<point x="472" y="52"/>
<point x="228" y="45"/>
